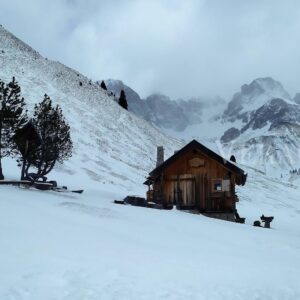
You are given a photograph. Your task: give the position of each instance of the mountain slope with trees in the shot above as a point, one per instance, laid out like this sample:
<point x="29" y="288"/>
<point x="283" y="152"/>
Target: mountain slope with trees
<point x="101" y="129"/>
<point x="261" y="121"/>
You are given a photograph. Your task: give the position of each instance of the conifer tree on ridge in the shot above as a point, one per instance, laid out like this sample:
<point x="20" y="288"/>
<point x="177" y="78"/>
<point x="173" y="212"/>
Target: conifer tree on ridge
<point x="103" y="85"/>
<point x="123" y="100"/>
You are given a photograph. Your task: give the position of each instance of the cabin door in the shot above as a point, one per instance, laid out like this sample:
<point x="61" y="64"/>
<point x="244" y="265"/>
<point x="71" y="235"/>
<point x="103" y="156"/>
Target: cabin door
<point x="184" y="191"/>
<point x="201" y="191"/>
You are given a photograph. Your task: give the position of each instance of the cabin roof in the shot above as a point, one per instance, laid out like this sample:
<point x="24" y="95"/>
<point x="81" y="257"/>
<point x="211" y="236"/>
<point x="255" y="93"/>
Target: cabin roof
<point x="198" y="146"/>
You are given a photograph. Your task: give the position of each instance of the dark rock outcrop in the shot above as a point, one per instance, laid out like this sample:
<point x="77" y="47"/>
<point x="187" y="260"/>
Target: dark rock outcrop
<point x="230" y="134"/>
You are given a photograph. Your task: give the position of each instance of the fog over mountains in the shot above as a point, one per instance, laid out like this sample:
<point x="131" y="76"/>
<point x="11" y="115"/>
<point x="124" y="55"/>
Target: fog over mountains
<point x="257" y="125"/>
<point x="164" y="112"/>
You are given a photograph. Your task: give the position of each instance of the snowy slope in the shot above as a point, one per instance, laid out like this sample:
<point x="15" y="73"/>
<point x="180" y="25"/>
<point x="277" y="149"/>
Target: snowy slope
<point x="111" y="145"/>
<point x="55" y="246"/>
<point x="135" y="103"/>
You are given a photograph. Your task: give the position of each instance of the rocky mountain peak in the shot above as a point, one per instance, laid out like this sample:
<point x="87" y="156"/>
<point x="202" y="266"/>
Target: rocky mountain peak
<point x="267" y="85"/>
<point x="252" y="96"/>
<point x="297" y="98"/>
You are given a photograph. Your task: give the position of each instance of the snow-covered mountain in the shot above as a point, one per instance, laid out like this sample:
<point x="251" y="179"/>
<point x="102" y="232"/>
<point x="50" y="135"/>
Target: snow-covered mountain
<point x="110" y="143"/>
<point x="267" y="135"/>
<point x="254" y="95"/>
<point x="136" y="104"/>
<point x="259" y="125"/>
<point x="171" y="115"/>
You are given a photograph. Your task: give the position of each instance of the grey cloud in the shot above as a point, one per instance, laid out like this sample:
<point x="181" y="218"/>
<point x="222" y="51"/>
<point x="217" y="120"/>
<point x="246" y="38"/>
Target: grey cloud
<point x="180" y="48"/>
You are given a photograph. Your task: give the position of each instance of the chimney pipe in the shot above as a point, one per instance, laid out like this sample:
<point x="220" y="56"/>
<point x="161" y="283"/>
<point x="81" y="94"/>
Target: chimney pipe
<point x="160" y="155"/>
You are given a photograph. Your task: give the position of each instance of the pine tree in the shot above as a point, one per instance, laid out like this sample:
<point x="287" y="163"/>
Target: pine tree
<point x="13" y="115"/>
<point x="56" y="145"/>
<point x="232" y="158"/>
<point x="103" y="85"/>
<point x="122" y="100"/>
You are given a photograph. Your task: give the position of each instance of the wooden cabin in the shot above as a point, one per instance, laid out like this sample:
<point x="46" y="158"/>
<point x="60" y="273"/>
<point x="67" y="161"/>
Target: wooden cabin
<point x="198" y="179"/>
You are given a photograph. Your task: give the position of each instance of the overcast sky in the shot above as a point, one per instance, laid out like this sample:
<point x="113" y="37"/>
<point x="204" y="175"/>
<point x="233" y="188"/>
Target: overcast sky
<point x="180" y="48"/>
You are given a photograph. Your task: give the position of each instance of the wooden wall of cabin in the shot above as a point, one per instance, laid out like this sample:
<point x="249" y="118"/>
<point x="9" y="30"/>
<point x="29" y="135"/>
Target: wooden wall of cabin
<point x="195" y="180"/>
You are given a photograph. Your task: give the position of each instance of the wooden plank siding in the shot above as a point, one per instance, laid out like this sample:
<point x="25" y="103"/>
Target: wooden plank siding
<point x="188" y="185"/>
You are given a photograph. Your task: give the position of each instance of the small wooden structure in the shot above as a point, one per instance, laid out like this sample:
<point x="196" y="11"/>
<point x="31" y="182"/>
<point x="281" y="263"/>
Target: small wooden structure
<point x="27" y="138"/>
<point x="196" y="178"/>
<point x="266" y="220"/>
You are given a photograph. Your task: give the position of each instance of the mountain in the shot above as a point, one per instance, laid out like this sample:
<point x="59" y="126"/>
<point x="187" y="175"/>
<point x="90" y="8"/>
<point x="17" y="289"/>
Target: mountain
<point x="171" y="115"/>
<point x="252" y="96"/>
<point x="259" y="125"/>
<point x="297" y="98"/>
<point x="135" y="103"/>
<point x="111" y="145"/>
<point x="166" y="113"/>
<point x="266" y="131"/>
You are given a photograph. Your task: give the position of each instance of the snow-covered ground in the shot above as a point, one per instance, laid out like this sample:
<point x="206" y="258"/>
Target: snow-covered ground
<point x="70" y="246"/>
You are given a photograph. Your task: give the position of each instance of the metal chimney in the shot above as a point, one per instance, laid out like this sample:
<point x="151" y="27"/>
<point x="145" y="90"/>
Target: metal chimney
<point x="160" y="155"/>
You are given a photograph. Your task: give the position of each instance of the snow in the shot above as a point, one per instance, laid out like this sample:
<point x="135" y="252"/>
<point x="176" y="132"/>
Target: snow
<point x="83" y="246"/>
<point x="69" y="246"/>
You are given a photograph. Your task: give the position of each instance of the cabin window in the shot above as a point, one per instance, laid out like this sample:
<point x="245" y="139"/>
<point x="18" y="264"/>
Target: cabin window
<point x="220" y="185"/>
<point x="217" y="185"/>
